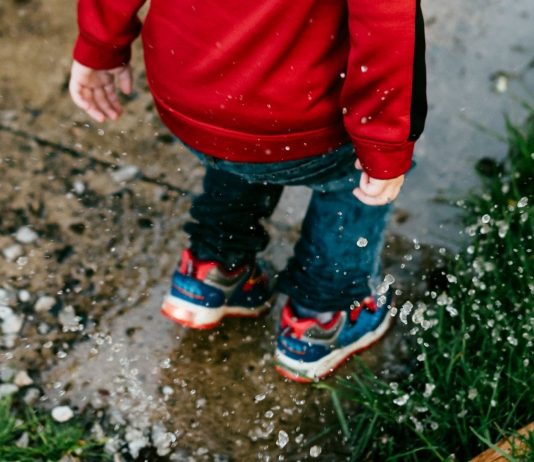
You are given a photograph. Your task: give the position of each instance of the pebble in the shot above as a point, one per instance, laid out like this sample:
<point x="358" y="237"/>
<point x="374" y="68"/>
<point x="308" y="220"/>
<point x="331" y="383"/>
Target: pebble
<point x="13" y="252"/>
<point x="7" y="389"/>
<point x="7" y="297"/>
<point x="43" y="328"/>
<point x="5" y="312"/>
<point x="24" y="296"/>
<point x="23" y="441"/>
<point x="44" y="303"/>
<point x="79" y="187"/>
<point x="31" y="396"/>
<point x="12" y="324"/>
<point x="22" y="379"/>
<point x="62" y="413"/>
<point x="26" y="235"/>
<point x="6" y="374"/>
<point x="126" y="173"/>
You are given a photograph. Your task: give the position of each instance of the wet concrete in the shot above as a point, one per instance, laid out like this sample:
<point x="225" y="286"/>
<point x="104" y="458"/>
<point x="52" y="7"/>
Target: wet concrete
<point x="106" y="246"/>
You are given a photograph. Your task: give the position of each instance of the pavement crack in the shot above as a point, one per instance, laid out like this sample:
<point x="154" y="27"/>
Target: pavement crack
<point x="77" y="154"/>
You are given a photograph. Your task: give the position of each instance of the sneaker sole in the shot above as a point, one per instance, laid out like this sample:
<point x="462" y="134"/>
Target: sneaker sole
<point x="198" y="317"/>
<point x="306" y="372"/>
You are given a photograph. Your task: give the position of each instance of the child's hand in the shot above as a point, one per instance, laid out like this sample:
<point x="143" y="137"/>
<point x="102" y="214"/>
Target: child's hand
<point x="95" y="91"/>
<point x="377" y="192"/>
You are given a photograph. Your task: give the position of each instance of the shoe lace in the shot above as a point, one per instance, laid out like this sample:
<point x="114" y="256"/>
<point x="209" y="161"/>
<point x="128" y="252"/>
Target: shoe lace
<point x="297" y="327"/>
<point x="368" y="303"/>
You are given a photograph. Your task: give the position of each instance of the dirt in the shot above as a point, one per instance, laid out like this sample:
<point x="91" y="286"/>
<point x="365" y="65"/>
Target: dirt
<point x="106" y="248"/>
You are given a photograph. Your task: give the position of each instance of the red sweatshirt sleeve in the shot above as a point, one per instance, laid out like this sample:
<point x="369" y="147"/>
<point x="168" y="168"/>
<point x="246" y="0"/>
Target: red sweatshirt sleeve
<point x="384" y="95"/>
<point x="106" y="30"/>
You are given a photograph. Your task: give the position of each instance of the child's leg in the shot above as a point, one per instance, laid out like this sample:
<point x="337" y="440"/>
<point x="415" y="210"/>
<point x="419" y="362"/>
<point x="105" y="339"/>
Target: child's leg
<point x="218" y="275"/>
<point x="337" y="259"/>
<point x="227" y="227"/>
<point x="333" y="311"/>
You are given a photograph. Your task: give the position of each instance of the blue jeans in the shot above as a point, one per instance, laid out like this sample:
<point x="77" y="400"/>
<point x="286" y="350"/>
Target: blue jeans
<point x="337" y="258"/>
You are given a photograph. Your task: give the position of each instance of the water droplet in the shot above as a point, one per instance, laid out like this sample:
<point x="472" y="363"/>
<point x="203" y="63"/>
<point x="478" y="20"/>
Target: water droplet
<point x="452" y="278"/>
<point x="364" y="69"/>
<point x="283" y="439"/>
<point x="259" y="397"/>
<point x="361" y="242"/>
<point x="363" y="120"/>
<point x="315" y="451"/>
<point x="389" y="279"/>
<point x="402" y="400"/>
<point x="429" y="389"/>
<point x="472" y="393"/>
<point x="485" y="218"/>
<point x="522" y="202"/>
<point x="451" y="310"/>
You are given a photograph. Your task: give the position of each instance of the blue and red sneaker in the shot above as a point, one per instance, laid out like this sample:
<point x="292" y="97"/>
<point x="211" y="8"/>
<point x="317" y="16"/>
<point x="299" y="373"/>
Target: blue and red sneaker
<point x="309" y="350"/>
<point x="203" y="292"/>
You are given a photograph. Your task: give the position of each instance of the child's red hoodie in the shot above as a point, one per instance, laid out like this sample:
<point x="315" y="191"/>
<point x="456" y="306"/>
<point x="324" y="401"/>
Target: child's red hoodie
<point x="274" y="80"/>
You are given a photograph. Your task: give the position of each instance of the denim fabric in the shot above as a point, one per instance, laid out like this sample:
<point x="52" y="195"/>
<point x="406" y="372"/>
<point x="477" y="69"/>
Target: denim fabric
<point x="329" y="270"/>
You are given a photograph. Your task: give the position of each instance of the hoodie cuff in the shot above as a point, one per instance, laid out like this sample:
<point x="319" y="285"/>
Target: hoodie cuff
<point x="99" y="56"/>
<point x="384" y="161"/>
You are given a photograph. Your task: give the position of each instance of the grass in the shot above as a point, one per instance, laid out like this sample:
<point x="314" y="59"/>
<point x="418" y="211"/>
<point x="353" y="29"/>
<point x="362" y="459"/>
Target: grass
<point x="473" y="383"/>
<point x="48" y="441"/>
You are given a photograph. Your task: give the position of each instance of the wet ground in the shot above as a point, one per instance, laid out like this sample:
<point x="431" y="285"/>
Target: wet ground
<point x="90" y="231"/>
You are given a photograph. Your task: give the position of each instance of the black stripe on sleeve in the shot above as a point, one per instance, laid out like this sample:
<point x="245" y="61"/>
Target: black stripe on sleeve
<point x="419" y="105"/>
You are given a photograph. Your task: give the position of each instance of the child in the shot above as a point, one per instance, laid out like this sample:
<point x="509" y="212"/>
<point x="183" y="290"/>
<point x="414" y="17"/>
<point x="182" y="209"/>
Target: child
<point x="327" y="94"/>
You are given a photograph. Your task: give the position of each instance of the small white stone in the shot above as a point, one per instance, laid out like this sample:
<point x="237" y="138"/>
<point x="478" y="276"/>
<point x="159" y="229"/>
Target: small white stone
<point x="6" y="374"/>
<point x="12" y="324"/>
<point x="31" y="396"/>
<point x="79" y="187"/>
<point x="7" y="297"/>
<point x="13" y="252"/>
<point x="44" y="303"/>
<point x="23" y="441"/>
<point x="26" y="235"/>
<point x="24" y="296"/>
<point x="10" y="340"/>
<point x="315" y="451"/>
<point x="126" y="173"/>
<point x="7" y="389"/>
<point x="62" y="413"/>
<point x="22" y="379"/>
<point x="5" y="312"/>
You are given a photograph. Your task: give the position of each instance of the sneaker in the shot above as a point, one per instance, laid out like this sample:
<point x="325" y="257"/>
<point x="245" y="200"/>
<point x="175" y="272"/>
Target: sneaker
<point x="308" y="350"/>
<point x="202" y="292"/>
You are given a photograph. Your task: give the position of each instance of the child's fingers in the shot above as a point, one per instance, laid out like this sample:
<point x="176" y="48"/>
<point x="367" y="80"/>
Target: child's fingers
<point x="83" y="98"/>
<point x="103" y="104"/>
<point x="371" y="186"/>
<point x="382" y="199"/>
<point x="111" y="94"/>
<point x="78" y="100"/>
<point x="96" y="114"/>
<point x="358" y="165"/>
<point x="124" y="78"/>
